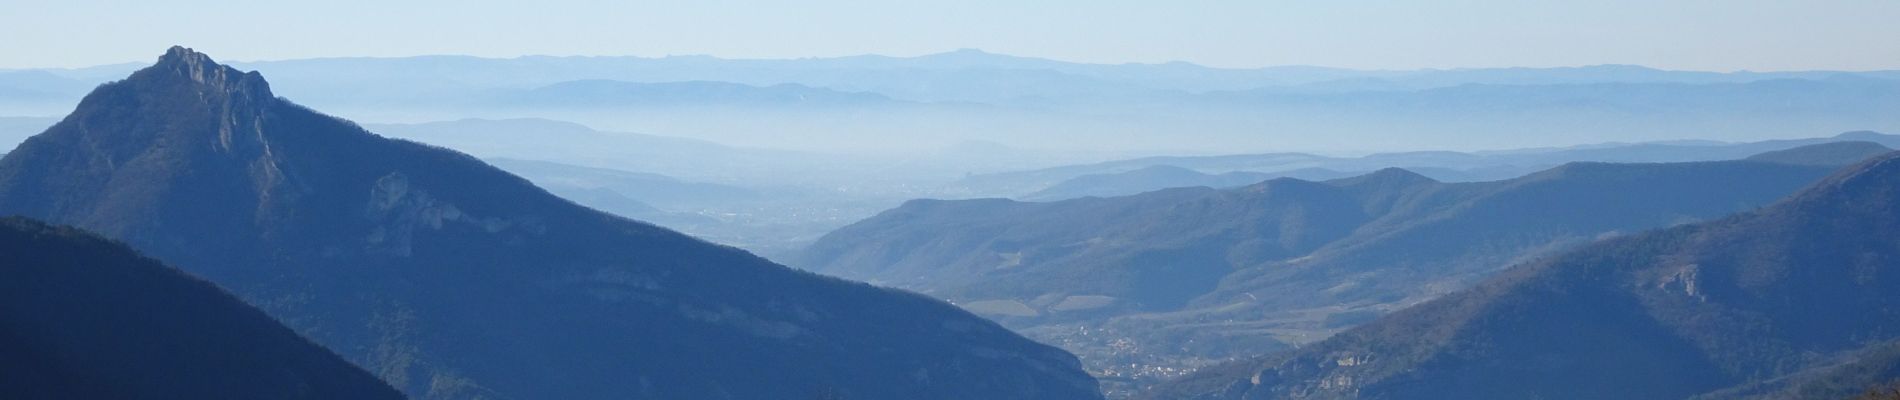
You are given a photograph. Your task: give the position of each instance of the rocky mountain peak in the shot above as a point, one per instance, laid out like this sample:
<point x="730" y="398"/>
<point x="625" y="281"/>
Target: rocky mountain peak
<point x="182" y="64"/>
<point x="505" y="290"/>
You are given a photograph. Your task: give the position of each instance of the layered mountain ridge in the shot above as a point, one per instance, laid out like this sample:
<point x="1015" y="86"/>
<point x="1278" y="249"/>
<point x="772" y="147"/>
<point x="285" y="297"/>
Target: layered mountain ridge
<point x="1179" y="278"/>
<point x="1137" y="175"/>
<point x="940" y="246"/>
<point x="1789" y="301"/>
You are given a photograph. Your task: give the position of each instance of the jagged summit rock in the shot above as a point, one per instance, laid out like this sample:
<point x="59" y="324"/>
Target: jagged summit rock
<point x="194" y="67"/>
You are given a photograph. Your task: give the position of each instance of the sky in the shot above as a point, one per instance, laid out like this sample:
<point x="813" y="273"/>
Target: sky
<point x="1708" y="35"/>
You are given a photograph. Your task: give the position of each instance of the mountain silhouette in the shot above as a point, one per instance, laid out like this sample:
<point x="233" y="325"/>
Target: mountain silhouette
<point x="452" y="279"/>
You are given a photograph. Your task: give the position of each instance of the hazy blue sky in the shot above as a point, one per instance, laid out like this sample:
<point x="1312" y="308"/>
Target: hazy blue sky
<point x="1677" y="34"/>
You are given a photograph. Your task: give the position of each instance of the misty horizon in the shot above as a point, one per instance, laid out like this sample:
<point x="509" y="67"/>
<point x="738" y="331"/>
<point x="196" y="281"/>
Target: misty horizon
<point x="877" y="105"/>
<point x="1760" y="35"/>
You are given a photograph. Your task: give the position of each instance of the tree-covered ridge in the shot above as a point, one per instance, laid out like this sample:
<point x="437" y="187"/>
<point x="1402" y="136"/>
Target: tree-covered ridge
<point x="1794" y="298"/>
<point x="1177" y="279"/>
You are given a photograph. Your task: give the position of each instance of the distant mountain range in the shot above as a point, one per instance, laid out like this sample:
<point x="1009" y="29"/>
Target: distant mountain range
<point x="85" y="317"/>
<point x="1177" y="277"/>
<point x="876" y="104"/>
<point x="449" y="278"/>
<point x="1825" y="154"/>
<point x="1124" y="177"/>
<point x="1796" y="300"/>
<point x="1158" y="177"/>
<point x="610" y="94"/>
<point x="41" y="92"/>
<point x="930" y="77"/>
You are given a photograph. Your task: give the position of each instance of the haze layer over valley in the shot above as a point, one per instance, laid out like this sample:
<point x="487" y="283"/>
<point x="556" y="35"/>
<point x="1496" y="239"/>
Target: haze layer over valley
<point x="804" y="146"/>
<point x="879" y="105"/>
<point x="932" y="200"/>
